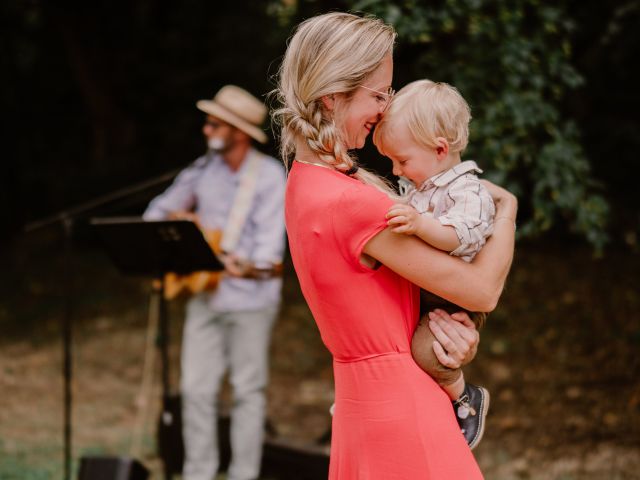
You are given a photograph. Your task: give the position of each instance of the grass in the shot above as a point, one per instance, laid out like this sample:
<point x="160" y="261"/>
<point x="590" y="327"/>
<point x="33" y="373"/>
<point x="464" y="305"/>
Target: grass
<point x="559" y="357"/>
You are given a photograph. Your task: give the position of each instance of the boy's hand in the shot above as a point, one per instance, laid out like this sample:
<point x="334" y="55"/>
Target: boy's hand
<point x="403" y="219"/>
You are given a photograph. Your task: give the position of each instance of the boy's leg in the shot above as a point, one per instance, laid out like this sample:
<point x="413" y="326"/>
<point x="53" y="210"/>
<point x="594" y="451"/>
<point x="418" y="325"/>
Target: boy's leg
<point x="470" y="402"/>
<point x="473" y="404"/>
<point x="471" y="411"/>
<point x="450" y="379"/>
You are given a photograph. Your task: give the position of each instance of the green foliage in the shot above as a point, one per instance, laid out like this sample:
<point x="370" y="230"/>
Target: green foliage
<point x="511" y="60"/>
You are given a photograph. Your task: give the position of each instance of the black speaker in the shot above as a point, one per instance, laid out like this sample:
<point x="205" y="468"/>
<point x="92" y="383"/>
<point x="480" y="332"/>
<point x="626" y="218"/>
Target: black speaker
<point x="111" y="468"/>
<point x="170" y="442"/>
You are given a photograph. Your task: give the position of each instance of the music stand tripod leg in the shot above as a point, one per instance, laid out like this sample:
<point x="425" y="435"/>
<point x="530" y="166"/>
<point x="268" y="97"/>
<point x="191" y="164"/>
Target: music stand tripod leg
<point x="163" y="345"/>
<point x="66" y="340"/>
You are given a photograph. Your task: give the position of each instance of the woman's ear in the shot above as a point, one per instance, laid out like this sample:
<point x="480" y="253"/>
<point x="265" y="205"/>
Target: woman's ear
<point x="329" y="102"/>
<point x="442" y="148"/>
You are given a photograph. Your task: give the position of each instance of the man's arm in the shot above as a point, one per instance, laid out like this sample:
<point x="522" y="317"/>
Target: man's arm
<point x="179" y="197"/>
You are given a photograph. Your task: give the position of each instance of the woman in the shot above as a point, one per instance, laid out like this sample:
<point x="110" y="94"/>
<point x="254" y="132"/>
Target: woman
<point x="360" y="280"/>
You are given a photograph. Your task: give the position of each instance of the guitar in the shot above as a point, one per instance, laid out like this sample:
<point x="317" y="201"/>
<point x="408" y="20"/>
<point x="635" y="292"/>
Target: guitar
<point x="176" y="285"/>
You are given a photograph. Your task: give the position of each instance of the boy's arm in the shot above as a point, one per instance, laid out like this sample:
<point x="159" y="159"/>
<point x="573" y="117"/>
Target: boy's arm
<point x="475" y="286"/>
<point x="470" y="214"/>
<point x="405" y="219"/>
<point x="441" y="236"/>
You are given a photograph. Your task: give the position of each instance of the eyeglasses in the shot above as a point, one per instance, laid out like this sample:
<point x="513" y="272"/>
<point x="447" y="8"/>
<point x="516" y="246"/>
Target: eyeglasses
<point x="382" y="97"/>
<point x="213" y="123"/>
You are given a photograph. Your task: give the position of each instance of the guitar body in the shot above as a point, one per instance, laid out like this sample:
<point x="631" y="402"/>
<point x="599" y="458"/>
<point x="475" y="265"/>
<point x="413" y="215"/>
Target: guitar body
<point x="196" y="282"/>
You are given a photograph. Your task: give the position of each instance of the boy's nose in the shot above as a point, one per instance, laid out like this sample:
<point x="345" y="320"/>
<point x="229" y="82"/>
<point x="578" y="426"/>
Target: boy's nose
<point x="396" y="171"/>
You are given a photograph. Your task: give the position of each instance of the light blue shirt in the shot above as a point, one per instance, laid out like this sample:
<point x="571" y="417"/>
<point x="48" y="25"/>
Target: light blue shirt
<point x="208" y="188"/>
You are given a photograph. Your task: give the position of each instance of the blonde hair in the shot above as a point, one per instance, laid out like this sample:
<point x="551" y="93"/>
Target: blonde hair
<point x="328" y="54"/>
<point x="429" y="110"/>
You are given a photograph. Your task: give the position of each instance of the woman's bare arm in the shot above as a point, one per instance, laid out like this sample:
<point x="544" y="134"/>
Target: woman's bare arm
<point x="475" y="286"/>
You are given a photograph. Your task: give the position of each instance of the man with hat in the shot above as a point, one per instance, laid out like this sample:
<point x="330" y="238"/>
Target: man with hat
<point x="239" y="191"/>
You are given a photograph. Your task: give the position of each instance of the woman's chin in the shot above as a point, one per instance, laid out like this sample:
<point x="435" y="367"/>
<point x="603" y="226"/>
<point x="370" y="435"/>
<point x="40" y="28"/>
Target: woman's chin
<point x="359" y="143"/>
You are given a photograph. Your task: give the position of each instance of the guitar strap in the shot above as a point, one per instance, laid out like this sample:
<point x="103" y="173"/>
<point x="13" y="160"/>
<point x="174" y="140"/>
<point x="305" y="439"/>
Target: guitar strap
<point x="241" y="202"/>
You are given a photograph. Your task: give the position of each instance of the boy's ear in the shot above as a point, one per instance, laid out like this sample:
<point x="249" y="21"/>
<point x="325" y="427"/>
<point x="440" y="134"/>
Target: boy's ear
<point x="329" y="102"/>
<point x="442" y="148"/>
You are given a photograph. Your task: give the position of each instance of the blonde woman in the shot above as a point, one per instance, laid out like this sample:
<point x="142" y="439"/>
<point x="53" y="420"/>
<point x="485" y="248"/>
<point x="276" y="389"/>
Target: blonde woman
<point x="391" y="420"/>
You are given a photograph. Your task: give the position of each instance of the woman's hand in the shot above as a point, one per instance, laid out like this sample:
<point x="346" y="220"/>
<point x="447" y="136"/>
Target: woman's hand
<point x="506" y="202"/>
<point x="457" y="338"/>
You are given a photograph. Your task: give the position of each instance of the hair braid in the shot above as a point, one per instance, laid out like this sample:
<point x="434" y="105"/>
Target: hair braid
<point x="328" y="54"/>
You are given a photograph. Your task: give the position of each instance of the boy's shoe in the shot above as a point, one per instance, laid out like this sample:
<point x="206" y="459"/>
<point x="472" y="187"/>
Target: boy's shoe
<point x="471" y="411"/>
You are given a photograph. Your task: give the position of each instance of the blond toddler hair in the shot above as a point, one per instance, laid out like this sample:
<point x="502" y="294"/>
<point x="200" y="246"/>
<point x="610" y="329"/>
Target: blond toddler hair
<point x="429" y="110"/>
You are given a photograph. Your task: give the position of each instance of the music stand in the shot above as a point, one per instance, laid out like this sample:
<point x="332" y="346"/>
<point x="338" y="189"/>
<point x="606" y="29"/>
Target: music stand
<point x="154" y="248"/>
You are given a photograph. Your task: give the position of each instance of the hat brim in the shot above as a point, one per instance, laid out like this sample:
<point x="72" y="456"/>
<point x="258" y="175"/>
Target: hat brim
<point x="212" y="108"/>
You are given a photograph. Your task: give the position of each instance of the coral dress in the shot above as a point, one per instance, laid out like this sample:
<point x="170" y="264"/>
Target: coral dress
<point x="391" y="420"/>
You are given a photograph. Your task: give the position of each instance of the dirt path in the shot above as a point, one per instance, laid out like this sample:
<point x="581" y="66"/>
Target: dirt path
<point x="559" y="357"/>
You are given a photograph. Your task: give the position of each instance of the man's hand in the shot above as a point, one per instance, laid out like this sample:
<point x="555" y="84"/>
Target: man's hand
<point x="233" y="266"/>
<point x="183" y="215"/>
<point x="403" y="219"/>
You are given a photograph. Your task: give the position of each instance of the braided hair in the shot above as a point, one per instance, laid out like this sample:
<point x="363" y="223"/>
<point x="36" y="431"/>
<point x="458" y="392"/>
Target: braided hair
<point x="328" y="54"/>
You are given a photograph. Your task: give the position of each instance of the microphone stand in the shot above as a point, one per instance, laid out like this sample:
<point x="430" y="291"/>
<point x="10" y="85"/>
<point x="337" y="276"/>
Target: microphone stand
<point x="67" y="219"/>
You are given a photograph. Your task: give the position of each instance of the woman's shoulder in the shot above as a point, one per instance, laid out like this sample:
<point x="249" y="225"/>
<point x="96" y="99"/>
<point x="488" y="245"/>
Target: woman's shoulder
<point x="315" y="180"/>
<point x="364" y="202"/>
<point x="315" y="189"/>
<point x="358" y="192"/>
<point x="333" y="186"/>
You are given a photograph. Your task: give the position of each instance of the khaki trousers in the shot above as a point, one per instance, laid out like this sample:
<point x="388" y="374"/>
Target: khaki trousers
<point x="214" y="342"/>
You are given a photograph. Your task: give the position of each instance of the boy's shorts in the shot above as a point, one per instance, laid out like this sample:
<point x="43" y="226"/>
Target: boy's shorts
<point x="429" y="302"/>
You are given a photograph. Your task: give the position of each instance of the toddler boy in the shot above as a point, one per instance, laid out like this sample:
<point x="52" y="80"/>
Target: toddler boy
<point x="424" y="132"/>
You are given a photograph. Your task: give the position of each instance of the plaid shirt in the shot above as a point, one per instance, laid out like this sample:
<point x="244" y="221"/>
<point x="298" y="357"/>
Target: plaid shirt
<point x="456" y="198"/>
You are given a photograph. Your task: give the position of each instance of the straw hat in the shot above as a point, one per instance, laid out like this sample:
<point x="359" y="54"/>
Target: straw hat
<point x="239" y="108"/>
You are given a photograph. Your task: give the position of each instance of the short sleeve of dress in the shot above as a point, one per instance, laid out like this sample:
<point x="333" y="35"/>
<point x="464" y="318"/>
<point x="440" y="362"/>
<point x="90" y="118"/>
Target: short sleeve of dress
<point x="357" y="216"/>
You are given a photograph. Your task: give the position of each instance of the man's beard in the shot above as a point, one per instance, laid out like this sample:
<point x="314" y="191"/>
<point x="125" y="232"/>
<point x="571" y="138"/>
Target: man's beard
<point x="218" y="145"/>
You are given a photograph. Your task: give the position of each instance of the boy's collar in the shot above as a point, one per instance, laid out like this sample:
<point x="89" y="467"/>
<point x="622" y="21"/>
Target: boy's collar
<point x="448" y="176"/>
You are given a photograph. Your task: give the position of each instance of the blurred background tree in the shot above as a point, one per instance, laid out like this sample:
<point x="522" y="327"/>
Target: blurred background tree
<point x="101" y="94"/>
<point x="512" y="61"/>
